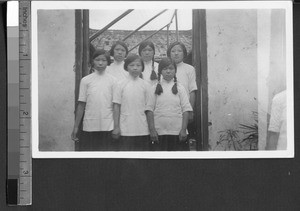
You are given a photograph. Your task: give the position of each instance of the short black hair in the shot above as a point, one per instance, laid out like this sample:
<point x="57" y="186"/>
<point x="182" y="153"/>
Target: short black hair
<point x="99" y="52"/>
<point x="131" y="58"/>
<point x="177" y="43"/>
<point x="166" y="62"/>
<point x="119" y="42"/>
<point x="144" y="44"/>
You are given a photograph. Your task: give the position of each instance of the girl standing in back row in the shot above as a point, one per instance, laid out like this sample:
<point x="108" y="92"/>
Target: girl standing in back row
<point x="167" y="110"/>
<point x="147" y="51"/>
<point x="186" y="75"/>
<point x="129" y="100"/>
<point x="119" y="51"/>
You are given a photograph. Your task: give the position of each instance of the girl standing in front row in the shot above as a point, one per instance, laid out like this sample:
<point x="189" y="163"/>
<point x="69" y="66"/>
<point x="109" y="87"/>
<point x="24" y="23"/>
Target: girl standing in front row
<point x="95" y="106"/>
<point x="167" y="109"/>
<point x="129" y="100"/>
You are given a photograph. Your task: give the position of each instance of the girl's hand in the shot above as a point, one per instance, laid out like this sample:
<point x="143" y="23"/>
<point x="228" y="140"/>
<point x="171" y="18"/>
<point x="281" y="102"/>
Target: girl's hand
<point x="74" y="134"/>
<point x="182" y="135"/>
<point x="154" y="136"/>
<point x="191" y="116"/>
<point x="116" y="133"/>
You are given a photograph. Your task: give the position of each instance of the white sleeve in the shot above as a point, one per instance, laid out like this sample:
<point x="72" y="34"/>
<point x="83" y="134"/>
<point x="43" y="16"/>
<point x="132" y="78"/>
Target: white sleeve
<point x="151" y="99"/>
<point x="117" y="93"/>
<point x="147" y="88"/>
<point x="192" y="80"/>
<point x="114" y="85"/>
<point x="184" y="99"/>
<point x="82" y="90"/>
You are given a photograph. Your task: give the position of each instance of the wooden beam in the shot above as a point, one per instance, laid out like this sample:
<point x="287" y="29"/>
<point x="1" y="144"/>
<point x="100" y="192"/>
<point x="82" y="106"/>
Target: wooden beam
<point x="200" y="64"/>
<point x="144" y="24"/>
<point x="78" y="59"/>
<point x="86" y="43"/>
<point x="94" y="36"/>
<point x="154" y="33"/>
<point x="176" y="22"/>
<point x="168" y="39"/>
<point x="78" y="52"/>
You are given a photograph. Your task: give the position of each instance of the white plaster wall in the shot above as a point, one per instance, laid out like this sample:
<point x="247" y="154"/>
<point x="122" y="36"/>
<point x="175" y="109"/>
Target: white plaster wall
<point x="56" y="54"/>
<point x="232" y="69"/>
<point x="277" y="77"/>
<point x="246" y="68"/>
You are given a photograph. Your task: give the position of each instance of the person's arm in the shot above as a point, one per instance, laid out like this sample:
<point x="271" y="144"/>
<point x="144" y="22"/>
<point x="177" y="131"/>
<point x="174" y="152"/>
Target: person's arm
<point x="78" y="118"/>
<point x="192" y="102"/>
<point x="116" y="115"/>
<point x="150" y="105"/>
<point x="151" y="126"/>
<point x="192" y="87"/>
<point x="193" y="98"/>
<point x="272" y="140"/>
<point x="186" y="111"/>
<point x="183" y="134"/>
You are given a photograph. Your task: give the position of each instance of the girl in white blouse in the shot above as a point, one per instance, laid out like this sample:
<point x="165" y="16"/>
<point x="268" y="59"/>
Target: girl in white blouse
<point x="186" y="75"/>
<point x="167" y="110"/>
<point x="147" y="52"/>
<point x="118" y="51"/>
<point x="95" y="106"/>
<point x="129" y="100"/>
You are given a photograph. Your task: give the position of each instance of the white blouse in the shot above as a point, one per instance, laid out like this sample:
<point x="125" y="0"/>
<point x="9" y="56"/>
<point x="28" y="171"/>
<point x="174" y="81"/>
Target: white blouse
<point x="96" y="90"/>
<point x="131" y="94"/>
<point x="117" y="70"/>
<point x="168" y="108"/>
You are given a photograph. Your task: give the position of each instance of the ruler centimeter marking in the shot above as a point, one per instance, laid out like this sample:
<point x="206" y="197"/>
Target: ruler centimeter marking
<point x="25" y="159"/>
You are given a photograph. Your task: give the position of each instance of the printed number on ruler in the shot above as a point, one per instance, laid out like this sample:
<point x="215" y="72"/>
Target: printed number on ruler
<point x="25" y="180"/>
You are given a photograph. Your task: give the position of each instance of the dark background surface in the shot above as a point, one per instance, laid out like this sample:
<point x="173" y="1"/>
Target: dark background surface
<point x="129" y="184"/>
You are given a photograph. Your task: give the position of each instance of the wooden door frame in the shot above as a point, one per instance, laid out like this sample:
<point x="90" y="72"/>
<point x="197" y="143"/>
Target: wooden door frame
<point x="200" y="64"/>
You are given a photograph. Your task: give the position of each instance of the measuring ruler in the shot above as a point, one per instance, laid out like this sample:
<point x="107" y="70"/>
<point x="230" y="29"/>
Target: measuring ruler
<point x="23" y="194"/>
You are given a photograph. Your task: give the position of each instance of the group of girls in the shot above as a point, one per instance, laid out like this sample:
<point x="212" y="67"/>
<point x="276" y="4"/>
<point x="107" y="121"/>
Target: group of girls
<point x="135" y="104"/>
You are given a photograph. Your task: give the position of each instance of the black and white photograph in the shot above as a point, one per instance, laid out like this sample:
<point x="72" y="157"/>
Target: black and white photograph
<point x="162" y="80"/>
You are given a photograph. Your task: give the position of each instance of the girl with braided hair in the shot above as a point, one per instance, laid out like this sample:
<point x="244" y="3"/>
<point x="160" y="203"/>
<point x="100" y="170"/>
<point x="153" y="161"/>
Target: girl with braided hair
<point x="147" y="51"/>
<point x="168" y="110"/>
<point x="186" y="75"/>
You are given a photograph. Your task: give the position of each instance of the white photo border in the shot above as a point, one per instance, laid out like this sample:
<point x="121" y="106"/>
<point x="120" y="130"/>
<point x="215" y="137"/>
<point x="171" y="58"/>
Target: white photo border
<point x="47" y="5"/>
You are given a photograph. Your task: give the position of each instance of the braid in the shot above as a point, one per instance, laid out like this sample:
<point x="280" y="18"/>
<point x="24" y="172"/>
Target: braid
<point x="159" y="88"/>
<point x="174" y="88"/>
<point x="153" y="74"/>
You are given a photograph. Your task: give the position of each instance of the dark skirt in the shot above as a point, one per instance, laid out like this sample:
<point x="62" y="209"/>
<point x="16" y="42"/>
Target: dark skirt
<point x="134" y="143"/>
<point x="95" y="141"/>
<point x="170" y="143"/>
